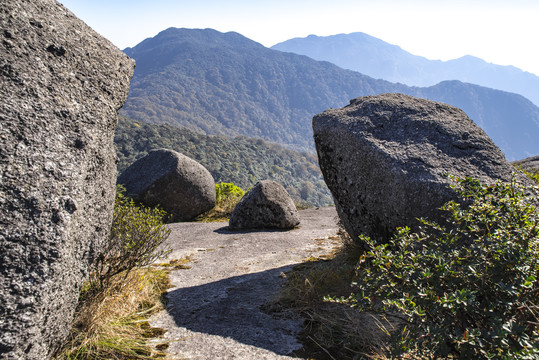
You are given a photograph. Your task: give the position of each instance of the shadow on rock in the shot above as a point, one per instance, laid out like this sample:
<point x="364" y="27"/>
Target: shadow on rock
<point x="232" y="308"/>
<point x="228" y="230"/>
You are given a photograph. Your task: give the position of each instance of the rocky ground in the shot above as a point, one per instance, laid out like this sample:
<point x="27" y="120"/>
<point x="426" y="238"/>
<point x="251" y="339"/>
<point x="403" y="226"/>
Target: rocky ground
<point x="215" y="308"/>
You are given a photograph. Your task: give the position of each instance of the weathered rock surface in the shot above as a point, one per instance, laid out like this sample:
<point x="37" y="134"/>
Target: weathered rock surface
<point x="385" y="159"/>
<point x="61" y="85"/>
<point x="218" y="306"/>
<point x="528" y="164"/>
<point x="266" y="205"/>
<point x="179" y="184"/>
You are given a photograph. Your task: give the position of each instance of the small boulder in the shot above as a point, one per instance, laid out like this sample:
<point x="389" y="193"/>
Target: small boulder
<point x="266" y="205"/>
<point x="175" y="182"/>
<point x="385" y="160"/>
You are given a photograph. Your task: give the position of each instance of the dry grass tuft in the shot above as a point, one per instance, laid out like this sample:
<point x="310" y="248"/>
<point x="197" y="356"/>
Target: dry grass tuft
<point x="302" y="205"/>
<point x="176" y="264"/>
<point x="333" y="330"/>
<point x="111" y="323"/>
<point x="222" y="211"/>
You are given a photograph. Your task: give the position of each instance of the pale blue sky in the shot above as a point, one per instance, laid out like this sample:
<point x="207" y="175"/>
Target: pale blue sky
<point x="504" y="32"/>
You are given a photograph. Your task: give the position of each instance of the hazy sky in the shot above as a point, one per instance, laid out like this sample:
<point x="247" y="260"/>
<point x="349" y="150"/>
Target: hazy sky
<point x="504" y="32"/>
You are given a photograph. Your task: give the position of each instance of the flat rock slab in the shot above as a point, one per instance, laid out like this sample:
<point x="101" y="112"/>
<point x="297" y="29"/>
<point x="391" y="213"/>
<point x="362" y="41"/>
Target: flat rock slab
<point x="214" y="309"/>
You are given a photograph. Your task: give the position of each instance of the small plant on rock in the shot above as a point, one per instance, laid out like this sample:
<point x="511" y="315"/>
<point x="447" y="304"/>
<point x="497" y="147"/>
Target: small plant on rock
<point x="136" y="235"/>
<point x="114" y="306"/>
<point x="226" y="191"/>
<point x="468" y="287"/>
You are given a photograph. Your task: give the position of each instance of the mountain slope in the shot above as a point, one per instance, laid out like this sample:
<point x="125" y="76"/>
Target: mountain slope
<point x="241" y="160"/>
<point x="374" y="57"/>
<point x="226" y="84"/>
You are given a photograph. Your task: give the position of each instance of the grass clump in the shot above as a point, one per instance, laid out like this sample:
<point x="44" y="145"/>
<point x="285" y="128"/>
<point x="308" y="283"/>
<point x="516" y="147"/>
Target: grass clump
<point x="331" y="330"/>
<point x="111" y="317"/>
<point x="111" y="323"/>
<point x="227" y="197"/>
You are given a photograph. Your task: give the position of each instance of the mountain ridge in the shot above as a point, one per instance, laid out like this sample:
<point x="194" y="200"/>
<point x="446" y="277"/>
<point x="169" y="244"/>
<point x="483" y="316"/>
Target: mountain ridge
<point x="227" y="84"/>
<point x="374" y="57"/>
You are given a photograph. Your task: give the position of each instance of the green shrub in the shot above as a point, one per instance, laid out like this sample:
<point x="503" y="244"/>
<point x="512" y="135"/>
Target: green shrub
<point x="110" y="321"/>
<point x="532" y="174"/>
<point x="224" y="191"/>
<point x="227" y="195"/>
<point x="467" y="288"/>
<point x="136" y="234"/>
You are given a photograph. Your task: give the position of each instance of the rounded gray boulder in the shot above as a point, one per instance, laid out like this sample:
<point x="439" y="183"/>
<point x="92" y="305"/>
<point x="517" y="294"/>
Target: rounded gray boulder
<point x="175" y="182"/>
<point x="266" y="205"/>
<point x="386" y="158"/>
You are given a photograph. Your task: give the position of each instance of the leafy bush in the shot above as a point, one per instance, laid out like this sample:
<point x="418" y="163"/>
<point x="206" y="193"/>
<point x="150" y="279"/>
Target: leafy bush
<point x="227" y="197"/>
<point x="533" y="174"/>
<point x="468" y="287"/>
<point x="136" y="234"/>
<point x="225" y="191"/>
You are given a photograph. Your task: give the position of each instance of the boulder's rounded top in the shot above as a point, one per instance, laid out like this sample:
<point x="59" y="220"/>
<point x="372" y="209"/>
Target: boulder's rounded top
<point x="145" y="171"/>
<point x="529" y="164"/>
<point x="391" y="110"/>
<point x="266" y="205"/>
<point x="406" y="130"/>
<point x="177" y="183"/>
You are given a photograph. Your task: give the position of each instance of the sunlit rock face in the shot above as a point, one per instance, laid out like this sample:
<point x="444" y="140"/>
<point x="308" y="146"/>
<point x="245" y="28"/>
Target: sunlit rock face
<point x="178" y="184"/>
<point x="61" y="86"/>
<point x="266" y="206"/>
<point x="386" y="158"/>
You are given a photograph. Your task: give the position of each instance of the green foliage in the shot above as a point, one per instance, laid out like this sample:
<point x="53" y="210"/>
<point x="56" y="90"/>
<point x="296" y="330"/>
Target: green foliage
<point x="123" y="292"/>
<point x="469" y="287"/>
<point x="534" y="175"/>
<point x="242" y="161"/>
<point x="228" y="195"/>
<point x="136" y="234"/>
<point x="227" y="190"/>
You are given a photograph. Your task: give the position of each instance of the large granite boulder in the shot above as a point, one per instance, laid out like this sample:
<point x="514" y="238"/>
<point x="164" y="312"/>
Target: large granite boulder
<point x="385" y="160"/>
<point x="61" y="85"/>
<point x="175" y="182"/>
<point x="266" y="205"/>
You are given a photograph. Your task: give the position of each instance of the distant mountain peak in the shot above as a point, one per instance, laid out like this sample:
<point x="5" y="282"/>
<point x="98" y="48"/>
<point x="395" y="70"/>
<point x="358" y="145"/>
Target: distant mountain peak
<point x="371" y="56"/>
<point x="174" y="36"/>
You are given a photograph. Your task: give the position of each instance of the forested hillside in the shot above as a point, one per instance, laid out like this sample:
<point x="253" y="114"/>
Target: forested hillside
<point x="241" y="160"/>
<point x="225" y="84"/>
